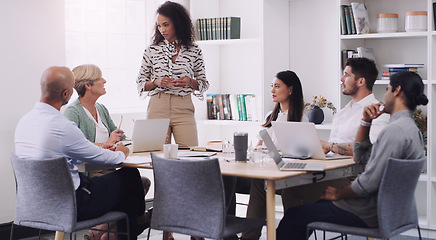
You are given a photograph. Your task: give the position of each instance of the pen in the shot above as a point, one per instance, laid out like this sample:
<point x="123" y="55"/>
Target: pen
<point x="127" y="144"/>
<point x="121" y="121"/>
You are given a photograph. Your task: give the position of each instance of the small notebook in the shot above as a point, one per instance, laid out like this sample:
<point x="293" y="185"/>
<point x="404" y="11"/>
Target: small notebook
<point x="207" y="148"/>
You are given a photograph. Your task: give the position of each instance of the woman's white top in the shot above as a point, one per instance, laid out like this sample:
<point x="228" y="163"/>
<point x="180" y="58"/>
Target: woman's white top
<point x="157" y="63"/>
<point x="101" y="132"/>
<point x="282" y="117"/>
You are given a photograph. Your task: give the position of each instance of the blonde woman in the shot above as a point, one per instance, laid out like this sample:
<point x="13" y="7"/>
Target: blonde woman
<point x="90" y="116"/>
<point x="94" y="121"/>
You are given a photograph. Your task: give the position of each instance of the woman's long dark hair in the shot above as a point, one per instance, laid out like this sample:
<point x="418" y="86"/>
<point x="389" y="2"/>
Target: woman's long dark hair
<point x="181" y="20"/>
<point x="296" y="99"/>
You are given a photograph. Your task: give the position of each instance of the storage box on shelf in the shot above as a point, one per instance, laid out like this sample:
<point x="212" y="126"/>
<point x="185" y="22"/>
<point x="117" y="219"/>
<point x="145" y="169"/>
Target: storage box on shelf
<point x="404" y="47"/>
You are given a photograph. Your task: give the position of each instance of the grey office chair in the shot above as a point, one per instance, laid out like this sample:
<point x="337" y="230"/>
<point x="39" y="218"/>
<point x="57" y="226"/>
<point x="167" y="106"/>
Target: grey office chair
<point x="46" y="197"/>
<point x="189" y="199"/>
<point x="396" y="207"/>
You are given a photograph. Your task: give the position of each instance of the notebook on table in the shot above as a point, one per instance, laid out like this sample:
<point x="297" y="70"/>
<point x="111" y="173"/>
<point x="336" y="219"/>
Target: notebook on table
<point x="281" y="164"/>
<point x="149" y="134"/>
<point x="301" y="140"/>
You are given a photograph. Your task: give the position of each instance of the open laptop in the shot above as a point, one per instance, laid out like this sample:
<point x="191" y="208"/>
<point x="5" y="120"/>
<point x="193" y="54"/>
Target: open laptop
<point x="300" y="140"/>
<point x="149" y="134"/>
<point x="282" y="165"/>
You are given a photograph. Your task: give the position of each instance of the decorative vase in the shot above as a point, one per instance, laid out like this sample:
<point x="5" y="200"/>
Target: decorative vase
<point x="316" y="115"/>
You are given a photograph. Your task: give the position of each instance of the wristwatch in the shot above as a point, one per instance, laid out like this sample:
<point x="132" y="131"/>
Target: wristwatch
<point x="331" y="146"/>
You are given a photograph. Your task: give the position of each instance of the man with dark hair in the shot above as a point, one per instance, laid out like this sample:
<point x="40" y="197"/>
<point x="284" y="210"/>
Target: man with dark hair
<point x="44" y="133"/>
<point x="357" y="81"/>
<point x="356" y="204"/>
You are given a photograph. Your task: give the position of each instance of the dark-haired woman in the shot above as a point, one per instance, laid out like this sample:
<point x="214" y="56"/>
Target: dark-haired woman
<point x="287" y="93"/>
<point x="172" y="69"/>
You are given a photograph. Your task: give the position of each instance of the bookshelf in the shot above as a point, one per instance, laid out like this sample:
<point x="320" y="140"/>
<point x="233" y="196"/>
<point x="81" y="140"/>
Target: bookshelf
<point x="237" y="66"/>
<point x="403" y="47"/>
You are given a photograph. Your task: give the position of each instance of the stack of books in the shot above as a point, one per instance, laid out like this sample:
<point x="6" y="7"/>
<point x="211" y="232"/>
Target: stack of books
<point x="400" y="67"/>
<point x="358" y="53"/>
<point x="354" y="19"/>
<point x="219" y="28"/>
<point x="238" y="107"/>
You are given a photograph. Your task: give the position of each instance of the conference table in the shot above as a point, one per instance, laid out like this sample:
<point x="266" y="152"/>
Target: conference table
<point x="274" y="178"/>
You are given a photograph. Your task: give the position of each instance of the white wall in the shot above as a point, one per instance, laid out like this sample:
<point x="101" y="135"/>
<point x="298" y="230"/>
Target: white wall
<point x="314" y="53"/>
<point x="32" y="39"/>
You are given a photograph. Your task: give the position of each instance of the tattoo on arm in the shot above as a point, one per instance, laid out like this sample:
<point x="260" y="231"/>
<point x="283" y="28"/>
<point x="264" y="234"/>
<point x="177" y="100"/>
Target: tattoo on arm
<point x="345" y="149"/>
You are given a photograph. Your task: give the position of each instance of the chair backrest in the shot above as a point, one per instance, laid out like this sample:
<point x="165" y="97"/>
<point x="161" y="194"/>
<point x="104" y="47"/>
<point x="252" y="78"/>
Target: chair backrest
<point x="45" y="194"/>
<point x="188" y="197"/>
<point x="396" y="197"/>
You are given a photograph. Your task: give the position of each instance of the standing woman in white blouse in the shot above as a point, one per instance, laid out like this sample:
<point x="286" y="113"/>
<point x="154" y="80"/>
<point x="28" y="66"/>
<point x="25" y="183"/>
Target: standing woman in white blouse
<point x="172" y="69"/>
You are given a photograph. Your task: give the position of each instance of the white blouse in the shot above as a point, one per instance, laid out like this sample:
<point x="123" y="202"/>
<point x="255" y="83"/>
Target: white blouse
<point x="157" y="63"/>
<point x="101" y="132"/>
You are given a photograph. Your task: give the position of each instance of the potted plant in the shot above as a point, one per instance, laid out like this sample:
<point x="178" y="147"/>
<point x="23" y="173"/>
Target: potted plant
<point x="316" y="114"/>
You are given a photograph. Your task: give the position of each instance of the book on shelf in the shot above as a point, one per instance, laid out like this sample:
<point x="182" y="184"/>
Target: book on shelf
<point x="386" y="74"/>
<point x="209" y="29"/>
<point x="395" y="70"/>
<point x="199" y="29"/>
<point x="434" y="15"/>
<point x="234" y="107"/>
<point x="214" y="32"/>
<point x="361" y="19"/>
<point x="226" y="107"/>
<point x="204" y="31"/>
<point x="233" y="28"/>
<point x="215" y="108"/>
<point x="238" y="107"/>
<point x="353" y="25"/>
<point x="366" y="53"/>
<point x="242" y="107"/>
<point x="250" y="103"/>
<point x="220" y="107"/>
<point x="404" y="65"/>
<point x="403" y="69"/>
<point x="343" y="22"/>
<point x="346" y="54"/>
<point x="348" y="19"/>
<point x="209" y="101"/>
<point x="219" y="28"/>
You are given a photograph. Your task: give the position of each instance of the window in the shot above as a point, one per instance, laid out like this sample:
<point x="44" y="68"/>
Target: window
<point x="111" y="34"/>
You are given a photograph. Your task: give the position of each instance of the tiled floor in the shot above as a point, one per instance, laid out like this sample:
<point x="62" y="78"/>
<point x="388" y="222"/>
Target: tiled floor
<point x="240" y="211"/>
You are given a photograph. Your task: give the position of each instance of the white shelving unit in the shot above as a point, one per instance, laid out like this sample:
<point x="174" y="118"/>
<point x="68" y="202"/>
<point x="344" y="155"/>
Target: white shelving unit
<point x="404" y="47"/>
<point x="238" y="66"/>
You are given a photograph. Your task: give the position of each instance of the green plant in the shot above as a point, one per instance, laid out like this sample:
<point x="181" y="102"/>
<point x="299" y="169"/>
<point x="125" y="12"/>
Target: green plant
<point x="421" y="122"/>
<point x="321" y="102"/>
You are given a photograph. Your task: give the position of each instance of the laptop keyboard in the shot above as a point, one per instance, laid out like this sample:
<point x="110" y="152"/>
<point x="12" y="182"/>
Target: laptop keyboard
<point x="295" y="165"/>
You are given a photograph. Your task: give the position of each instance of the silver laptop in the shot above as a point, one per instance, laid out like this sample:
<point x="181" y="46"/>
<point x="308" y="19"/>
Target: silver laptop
<point x="282" y="165"/>
<point x="149" y="134"/>
<point x="300" y="140"/>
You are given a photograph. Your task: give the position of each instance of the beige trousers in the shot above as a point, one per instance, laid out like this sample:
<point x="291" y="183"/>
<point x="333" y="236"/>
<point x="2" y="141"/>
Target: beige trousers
<point x="291" y="197"/>
<point x="180" y="110"/>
